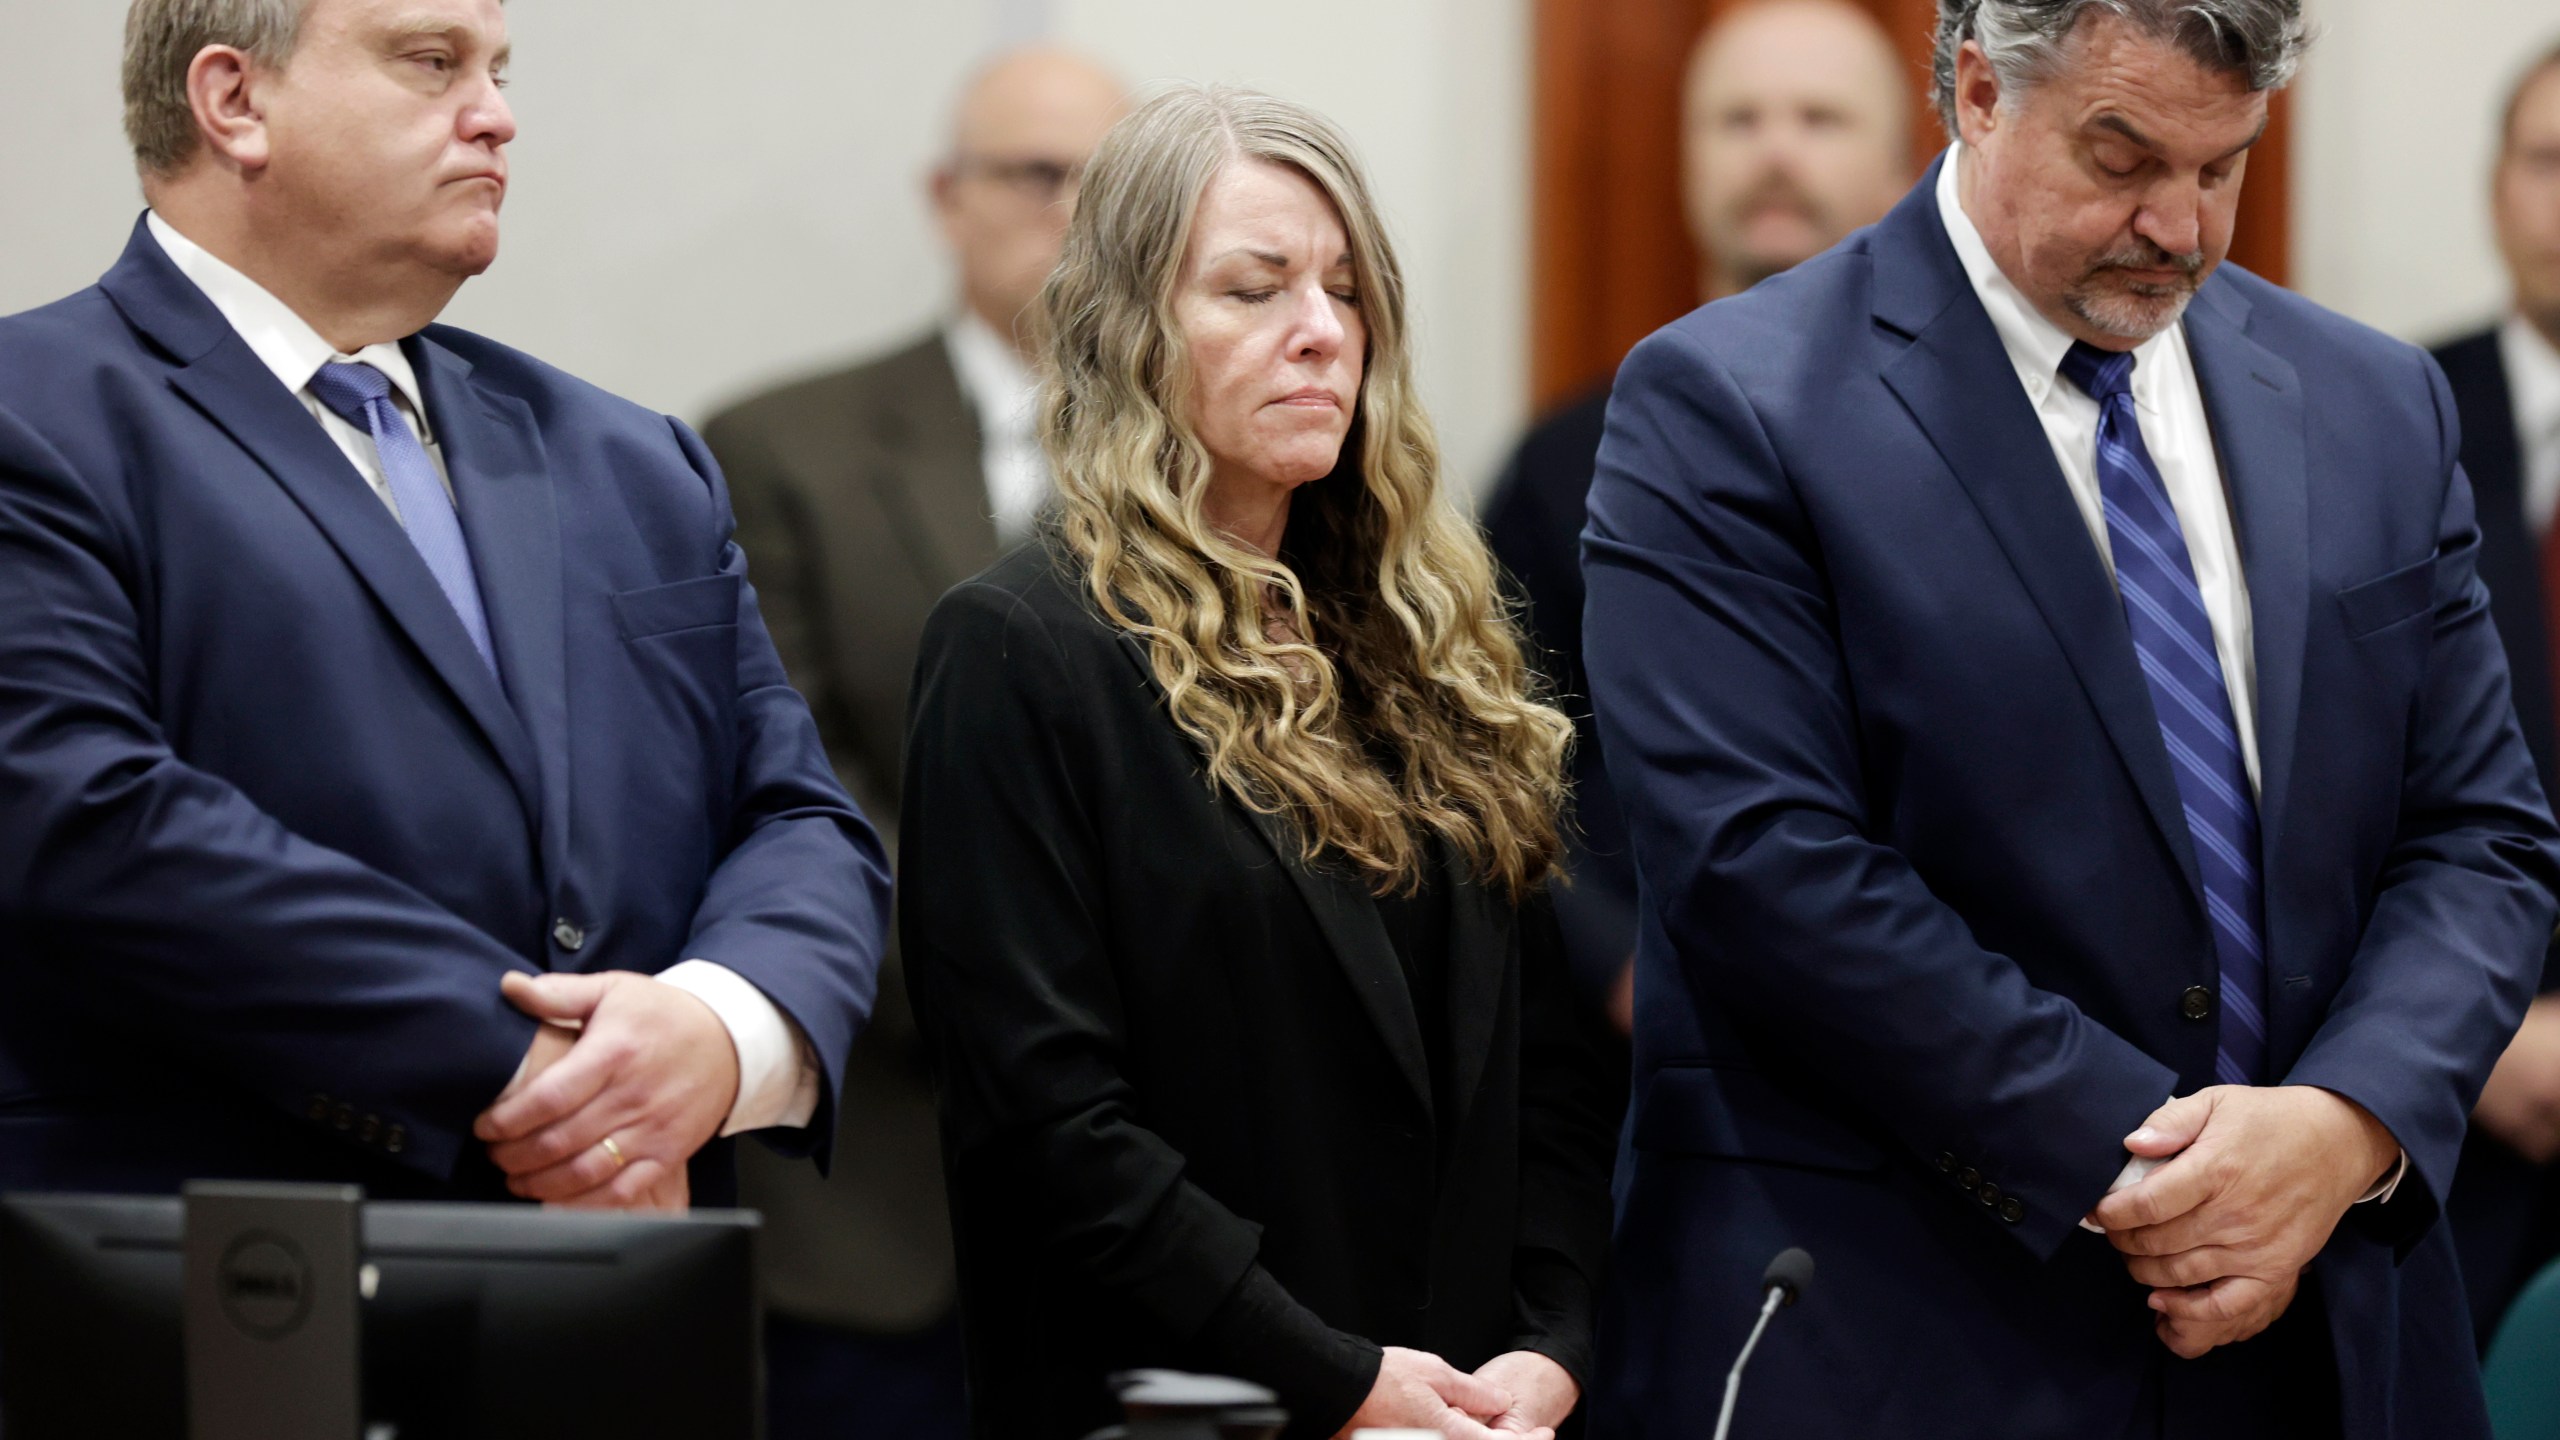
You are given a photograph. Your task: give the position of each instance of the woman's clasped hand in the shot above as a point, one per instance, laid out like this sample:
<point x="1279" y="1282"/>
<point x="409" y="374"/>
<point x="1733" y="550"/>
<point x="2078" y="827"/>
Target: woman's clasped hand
<point x="1521" y="1393"/>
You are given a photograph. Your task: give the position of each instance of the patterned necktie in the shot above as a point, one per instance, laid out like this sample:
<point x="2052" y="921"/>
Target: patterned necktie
<point x="361" y="396"/>
<point x="2173" y="639"/>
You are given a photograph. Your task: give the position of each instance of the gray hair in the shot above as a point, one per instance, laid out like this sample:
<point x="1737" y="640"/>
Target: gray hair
<point x="161" y="41"/>
<point x="2025" y="40"/>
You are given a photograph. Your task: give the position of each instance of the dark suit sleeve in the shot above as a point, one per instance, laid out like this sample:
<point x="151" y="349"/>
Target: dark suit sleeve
<point x="1726" y="706"/>
<point x="799" y="904"/>
<point x="1568" y="1142"/>
<point x="1014" y="983"/>
<point x="175" y="905"/>
<point x="2454" y="947"/>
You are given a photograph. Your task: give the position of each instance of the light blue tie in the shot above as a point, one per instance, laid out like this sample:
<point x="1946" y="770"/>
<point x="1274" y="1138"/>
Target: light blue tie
<point x="361" y="396"/>
<point x="2173" y="639"/>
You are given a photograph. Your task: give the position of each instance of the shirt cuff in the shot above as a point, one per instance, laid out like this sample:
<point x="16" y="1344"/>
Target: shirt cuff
<point x="2132" y="1173"/>
<point x="778" y="1078"/>
<point x="2388" y="1186"/>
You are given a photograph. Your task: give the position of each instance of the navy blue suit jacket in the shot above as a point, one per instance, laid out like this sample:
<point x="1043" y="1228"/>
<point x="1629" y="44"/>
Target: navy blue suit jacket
<point x="1920" y="905"/>
<point x="2505" y="1215"/>
<point x="270" y="830"/>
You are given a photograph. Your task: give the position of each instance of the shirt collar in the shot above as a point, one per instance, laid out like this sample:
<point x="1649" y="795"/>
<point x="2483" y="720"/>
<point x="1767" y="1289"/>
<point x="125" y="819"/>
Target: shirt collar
<point x="999" y="385"/>
<point x="283" y="341"/>
<point x="2533" y="377"/>
<point x="2035" y="344"/>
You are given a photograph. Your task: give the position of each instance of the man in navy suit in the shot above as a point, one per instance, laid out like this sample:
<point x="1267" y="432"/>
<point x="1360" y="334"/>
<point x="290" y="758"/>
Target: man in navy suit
<point x="396" y="782"/>
<point x="2506" y="386"/>
<point x="2047" y="675"/>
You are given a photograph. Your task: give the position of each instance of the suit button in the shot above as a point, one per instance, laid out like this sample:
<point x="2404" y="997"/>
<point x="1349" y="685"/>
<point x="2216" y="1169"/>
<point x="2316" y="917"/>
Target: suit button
<point x="1989" y="1195"/>
<point x="2013" y="1210"/>
<point x="2197" y="1003"/>
<point x="343" y="1116"/>
<point x="1968" y="1177"/>
<point x="318" y="1110"/>
<point x="1946" y="1163"/>
<point x="371" y="1127"/>
<point x="397" y="1140"/>
<point x="568" y="937"/>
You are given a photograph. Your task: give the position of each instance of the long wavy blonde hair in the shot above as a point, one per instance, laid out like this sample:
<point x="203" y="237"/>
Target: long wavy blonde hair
<point x="1394" y="701"/>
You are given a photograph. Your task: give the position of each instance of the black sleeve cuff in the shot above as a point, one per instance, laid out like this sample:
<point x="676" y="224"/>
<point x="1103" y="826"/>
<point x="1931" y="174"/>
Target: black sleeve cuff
<point x="1262" y="1334"/>
<point x="1555" y="1311"/>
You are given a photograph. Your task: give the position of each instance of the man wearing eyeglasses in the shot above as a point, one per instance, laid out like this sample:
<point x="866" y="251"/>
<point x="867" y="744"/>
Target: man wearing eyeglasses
<point x="862" y="495"/>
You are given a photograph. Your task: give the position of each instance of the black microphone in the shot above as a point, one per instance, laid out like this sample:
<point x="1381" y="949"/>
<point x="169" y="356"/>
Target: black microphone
<point x="1782" y="1284"/>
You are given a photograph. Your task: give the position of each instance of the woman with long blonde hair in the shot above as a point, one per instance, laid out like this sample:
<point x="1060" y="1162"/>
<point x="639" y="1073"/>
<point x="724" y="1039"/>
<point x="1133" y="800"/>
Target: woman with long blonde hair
<point x="1230" y="806"/>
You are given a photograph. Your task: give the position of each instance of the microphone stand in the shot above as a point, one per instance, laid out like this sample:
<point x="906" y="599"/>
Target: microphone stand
<point x="1733" y="1379"/>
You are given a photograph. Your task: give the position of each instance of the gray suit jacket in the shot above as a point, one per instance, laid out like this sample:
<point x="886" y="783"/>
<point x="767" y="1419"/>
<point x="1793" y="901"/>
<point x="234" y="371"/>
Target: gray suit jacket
<point x="860" y="498"/>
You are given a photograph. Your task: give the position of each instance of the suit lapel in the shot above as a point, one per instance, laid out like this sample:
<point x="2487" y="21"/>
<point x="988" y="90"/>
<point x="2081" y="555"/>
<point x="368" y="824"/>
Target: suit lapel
<point x="1479" y="971"/>
<point x="2253" y="401"/>
<point x="511" y="521"/>
<point x="228" y="383"/>
<point x="1956" y="380"/>
<point x="937" y="485"/>
<point x="1348" y="918"/>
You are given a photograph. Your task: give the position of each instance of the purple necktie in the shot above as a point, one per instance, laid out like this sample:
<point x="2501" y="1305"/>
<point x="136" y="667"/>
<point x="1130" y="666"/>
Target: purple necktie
<point x="361" y="396"/>
<point x="2173" y="639"/>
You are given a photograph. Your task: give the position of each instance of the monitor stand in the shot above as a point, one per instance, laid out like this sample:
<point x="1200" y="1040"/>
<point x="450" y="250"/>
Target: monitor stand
<point x="272" y="1312"/>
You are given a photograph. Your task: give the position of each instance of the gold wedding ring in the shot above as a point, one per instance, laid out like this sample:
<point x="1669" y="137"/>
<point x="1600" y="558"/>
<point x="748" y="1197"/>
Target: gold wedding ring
<point x="613" y="1150"/>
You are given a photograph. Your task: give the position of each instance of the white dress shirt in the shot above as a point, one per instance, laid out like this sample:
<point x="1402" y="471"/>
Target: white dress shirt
<point x="2533" y="386"/>
<point x="1006" y="396"/>
<point x="2169" y="404"/>
<point x="778" y="1077"/>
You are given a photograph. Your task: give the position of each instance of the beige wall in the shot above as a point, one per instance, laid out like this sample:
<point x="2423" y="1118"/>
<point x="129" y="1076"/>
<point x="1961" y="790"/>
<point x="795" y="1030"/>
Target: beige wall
<point x="710" y="197"/>
<point x="2394" y="137"/>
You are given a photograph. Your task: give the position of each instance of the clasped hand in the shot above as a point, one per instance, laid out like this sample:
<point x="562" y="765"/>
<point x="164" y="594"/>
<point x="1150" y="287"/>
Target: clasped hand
<point x="1519" y="1394"/>
<point x="2256" y="1179"/>
<point x="620" y="1056"/>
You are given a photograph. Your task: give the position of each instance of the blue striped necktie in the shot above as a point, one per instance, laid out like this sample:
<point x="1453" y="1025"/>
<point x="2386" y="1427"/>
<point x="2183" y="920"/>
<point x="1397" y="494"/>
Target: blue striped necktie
<point x="2173" y="639"/>
<point x="361" y="396"/>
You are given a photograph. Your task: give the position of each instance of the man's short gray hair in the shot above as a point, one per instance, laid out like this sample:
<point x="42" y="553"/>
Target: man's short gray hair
<point x="162" y="39"/>
<point x="2025" y="40"/>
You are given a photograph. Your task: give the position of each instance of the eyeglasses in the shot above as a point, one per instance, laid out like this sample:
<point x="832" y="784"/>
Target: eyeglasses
<point x="1034" y="179"/>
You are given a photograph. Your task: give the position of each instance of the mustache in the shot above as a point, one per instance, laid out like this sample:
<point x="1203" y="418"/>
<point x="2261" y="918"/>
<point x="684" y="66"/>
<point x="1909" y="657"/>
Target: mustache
<point x="2141" y="254"/>
<point x="1777" y="188"/>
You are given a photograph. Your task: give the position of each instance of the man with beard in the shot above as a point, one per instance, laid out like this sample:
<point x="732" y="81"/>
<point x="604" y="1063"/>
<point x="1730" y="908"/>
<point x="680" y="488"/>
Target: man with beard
<point x="2046" y="673"/>
<point x="1795" y="131"/>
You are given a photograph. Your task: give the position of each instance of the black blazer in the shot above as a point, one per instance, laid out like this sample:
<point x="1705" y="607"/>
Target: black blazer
<point x="2504" y="1210"/>
<point x="1186" y="1105"/>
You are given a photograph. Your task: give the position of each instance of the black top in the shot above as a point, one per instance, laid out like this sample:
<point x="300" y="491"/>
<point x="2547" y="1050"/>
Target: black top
<point x="1189" y="1107"/>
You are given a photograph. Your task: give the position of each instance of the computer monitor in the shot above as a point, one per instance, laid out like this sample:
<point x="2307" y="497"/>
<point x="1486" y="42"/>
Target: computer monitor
<point x="483" y="1322"/>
